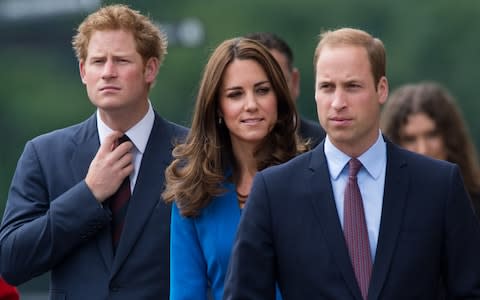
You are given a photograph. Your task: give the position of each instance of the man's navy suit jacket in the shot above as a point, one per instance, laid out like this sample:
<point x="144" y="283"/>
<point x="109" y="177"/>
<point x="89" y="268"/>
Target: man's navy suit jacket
<point x="52" y="221"/>
<point x="290" y="233"/>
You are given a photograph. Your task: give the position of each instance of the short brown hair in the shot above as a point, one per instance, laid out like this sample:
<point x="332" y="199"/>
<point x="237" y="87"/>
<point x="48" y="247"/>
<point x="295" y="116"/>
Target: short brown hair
<point x="150" y="41"/>
<point x="355" y="37"/>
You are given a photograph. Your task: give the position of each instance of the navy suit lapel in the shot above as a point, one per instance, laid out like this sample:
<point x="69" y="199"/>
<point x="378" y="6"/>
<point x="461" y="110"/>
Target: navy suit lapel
<point x="148" y="187"/>
<point x="88" y="142"/>
<point x="394" y="199"/>
<point x="326" y="210"/>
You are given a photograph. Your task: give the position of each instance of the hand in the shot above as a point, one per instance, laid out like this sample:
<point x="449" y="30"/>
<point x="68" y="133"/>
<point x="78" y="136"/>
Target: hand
<point x="111" y="165"/>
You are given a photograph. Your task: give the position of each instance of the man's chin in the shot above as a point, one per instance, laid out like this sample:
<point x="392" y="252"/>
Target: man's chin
<point x="110" y="104"/>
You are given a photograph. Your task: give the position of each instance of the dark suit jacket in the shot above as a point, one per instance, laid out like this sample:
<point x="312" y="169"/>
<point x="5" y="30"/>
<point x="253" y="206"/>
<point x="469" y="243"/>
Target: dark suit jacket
<point x="311" y="130"/>
<point x="53" y="222"/>
<point x="475" y="198"/>
<point x="290" y="232"/>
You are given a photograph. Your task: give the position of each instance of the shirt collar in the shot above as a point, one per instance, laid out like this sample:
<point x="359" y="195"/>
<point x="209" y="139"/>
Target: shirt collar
<point x="138" y="134"/>
<point x="372" y="160"/>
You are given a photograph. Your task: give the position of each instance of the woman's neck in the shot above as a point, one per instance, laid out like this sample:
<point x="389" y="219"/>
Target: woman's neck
<point x="246" y="168"/>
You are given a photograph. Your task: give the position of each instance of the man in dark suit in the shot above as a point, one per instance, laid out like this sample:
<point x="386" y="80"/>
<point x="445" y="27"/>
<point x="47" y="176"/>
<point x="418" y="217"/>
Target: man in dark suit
<point x="320" y="230"/>
<point x="283" y="54"/>
<point x="62" y="198"/>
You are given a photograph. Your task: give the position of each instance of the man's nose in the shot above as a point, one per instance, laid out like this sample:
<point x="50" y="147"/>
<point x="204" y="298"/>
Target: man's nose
<point x="109" y="69"/>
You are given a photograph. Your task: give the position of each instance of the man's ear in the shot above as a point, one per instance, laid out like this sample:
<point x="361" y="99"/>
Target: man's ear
<point x="382" y="90"/>
<point x="151" y="69"/>
<point x="81" y="67"/>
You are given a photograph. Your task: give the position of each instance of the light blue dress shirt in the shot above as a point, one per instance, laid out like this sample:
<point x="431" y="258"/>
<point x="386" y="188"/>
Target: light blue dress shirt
<point x="371" y="180"/>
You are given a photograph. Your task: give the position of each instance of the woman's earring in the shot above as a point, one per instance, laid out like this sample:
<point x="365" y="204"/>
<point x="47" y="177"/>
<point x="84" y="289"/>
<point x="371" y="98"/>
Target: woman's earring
<point x="219" y="120"/>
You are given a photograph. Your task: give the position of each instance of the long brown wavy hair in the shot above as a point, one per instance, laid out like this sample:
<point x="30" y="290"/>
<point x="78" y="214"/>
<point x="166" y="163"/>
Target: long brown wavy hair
<point x="198" y="169"/>
<point x="439" y="105"/>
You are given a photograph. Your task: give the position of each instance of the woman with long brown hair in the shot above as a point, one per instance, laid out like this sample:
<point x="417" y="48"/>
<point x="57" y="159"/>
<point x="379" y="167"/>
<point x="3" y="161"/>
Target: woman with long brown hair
<point x="244" y="121"/>
<point x="425" y="118"/>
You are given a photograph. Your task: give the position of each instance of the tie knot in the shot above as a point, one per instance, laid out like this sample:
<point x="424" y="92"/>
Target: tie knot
<point x="354" y="166"/>
<point x="124" y="138"/>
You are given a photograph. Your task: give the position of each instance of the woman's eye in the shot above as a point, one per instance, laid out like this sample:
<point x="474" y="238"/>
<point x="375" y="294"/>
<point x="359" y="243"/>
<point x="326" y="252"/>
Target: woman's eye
<point x="234" y="95"/>
<point x="263" y="90"/>
<point x="408" y="139"/>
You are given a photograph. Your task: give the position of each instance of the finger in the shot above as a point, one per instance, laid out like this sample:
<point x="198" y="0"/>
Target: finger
<point x="111" y="141"/>
<point x="125" y="161"/>
<point x="126" y="171"/>
<point x="124" y="147"/>
<point x="122" y="150"/>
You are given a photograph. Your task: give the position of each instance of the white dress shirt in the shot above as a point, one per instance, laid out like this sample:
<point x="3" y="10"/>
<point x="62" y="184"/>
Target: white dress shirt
<point x="138" y="134"/>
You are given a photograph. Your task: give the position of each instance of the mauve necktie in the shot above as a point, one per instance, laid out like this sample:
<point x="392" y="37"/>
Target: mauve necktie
<point x="118" y="203"/>
<point x="355" y="229"/>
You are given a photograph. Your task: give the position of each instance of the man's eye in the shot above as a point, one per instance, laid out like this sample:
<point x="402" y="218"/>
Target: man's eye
<point x="325" y="86"/>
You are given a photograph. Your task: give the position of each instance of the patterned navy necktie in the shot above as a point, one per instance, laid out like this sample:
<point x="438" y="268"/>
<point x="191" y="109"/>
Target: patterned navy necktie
<point x="118" y="203"/>
<point x="355" y="229"/>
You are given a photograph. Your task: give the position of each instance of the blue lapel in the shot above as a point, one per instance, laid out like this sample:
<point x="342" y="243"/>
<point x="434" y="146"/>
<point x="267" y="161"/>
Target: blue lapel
<point x="88" y="142"/>
<point x="394" y="199"/>
<point x="146" y="195"/>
